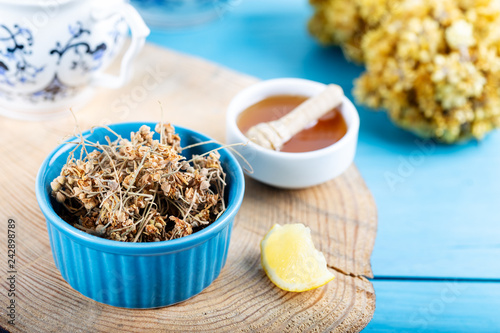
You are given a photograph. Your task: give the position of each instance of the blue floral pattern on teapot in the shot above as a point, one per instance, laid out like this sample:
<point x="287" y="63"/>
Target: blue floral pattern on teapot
<point x="16" y="69"/>
<point x="15" y="47"/>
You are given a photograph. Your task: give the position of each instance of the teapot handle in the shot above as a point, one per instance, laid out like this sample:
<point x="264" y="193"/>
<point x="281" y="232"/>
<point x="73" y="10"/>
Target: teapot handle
<point x="138" y="30"/>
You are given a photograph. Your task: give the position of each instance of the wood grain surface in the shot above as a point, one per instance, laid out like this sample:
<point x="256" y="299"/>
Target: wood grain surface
<point x="193" y="93"/>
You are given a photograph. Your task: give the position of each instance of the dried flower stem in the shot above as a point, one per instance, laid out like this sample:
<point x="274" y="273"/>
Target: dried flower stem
<point x="140" y="190"/>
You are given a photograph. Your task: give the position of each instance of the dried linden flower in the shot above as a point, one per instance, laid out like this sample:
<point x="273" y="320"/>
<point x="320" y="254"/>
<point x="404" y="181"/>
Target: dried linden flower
<point x="433" y="65"/>
<point x="142" y="189"/>
<point x="344" y="22"/>
<point x="460" y="34"/>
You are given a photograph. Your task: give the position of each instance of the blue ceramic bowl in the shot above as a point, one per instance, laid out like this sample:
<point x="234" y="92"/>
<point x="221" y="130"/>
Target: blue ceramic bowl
<point x="139" y="275"/>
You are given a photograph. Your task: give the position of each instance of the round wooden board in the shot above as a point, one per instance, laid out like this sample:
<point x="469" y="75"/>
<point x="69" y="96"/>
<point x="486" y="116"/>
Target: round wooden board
<point x="192" y="93"/>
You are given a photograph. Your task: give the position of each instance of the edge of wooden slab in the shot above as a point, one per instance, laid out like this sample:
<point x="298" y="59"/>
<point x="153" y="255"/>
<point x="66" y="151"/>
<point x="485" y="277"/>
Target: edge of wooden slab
<point x="48" y="299"/>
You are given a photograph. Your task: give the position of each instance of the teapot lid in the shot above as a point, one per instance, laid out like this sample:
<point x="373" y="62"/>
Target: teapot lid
<point x="38" y="3"/>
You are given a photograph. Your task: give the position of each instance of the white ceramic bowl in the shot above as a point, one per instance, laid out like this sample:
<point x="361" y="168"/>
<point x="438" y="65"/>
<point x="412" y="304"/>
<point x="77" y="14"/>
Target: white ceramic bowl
<point x="291" y="170"/>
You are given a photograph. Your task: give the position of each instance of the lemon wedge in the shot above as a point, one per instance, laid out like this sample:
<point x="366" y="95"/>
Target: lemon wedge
<point x="290" y="259"/>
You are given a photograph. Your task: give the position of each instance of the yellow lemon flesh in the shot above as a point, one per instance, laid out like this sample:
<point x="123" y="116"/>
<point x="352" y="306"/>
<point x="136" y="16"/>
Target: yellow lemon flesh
<point x="290" y="259"/>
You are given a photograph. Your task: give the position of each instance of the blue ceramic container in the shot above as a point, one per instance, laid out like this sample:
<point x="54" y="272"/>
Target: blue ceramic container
<point x="139" y="275"/>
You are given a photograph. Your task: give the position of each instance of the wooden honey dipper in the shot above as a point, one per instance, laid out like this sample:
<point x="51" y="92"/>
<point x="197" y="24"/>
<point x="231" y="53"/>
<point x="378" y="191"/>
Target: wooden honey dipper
<point x="274" y="134"/>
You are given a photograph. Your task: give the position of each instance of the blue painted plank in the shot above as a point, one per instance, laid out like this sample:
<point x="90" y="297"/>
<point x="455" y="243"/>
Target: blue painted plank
<point x="440" y="217"/>
<point x="405" y="306"/>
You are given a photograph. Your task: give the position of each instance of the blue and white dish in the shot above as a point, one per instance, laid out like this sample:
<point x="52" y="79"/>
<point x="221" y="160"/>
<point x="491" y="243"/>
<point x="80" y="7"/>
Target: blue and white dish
<point x="181" y="13"/>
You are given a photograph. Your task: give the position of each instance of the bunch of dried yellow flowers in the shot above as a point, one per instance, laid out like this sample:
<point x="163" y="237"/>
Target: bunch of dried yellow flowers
<point x="142" y="189"/>
<point x="433" y="65"/>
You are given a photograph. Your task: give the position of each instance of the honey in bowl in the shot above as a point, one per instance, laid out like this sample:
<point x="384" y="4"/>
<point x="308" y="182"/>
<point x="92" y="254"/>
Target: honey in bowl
<point x="326" y="131"/>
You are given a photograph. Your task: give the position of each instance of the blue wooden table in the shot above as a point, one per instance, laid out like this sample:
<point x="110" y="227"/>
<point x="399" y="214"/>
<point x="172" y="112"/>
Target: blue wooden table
<point x="437" y="255"/>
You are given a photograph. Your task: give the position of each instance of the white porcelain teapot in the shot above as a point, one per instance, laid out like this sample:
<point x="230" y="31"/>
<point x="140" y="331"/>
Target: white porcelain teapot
<point x="53" y="52"/>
